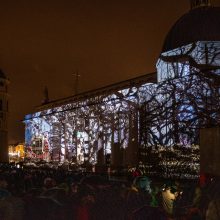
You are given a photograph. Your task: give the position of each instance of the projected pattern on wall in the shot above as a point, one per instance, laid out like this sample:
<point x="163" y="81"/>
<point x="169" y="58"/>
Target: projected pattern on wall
<point x="145" y="119"/>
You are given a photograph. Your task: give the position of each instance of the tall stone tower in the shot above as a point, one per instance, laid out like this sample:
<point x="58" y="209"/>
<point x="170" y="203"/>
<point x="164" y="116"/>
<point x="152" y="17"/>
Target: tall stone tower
<point x="3" y="117"/>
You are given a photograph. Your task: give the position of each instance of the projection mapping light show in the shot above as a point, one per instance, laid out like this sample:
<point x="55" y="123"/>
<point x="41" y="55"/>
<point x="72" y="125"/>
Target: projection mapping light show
<point x="156" y="124"/>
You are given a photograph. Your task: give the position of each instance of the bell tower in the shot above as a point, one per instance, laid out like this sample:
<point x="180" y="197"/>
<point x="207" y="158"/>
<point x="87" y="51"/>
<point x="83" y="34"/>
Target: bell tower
<point x="3" y="117"/>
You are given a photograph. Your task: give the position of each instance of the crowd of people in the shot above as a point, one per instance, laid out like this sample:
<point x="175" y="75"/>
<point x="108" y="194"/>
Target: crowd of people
<point x="40" y="193"/>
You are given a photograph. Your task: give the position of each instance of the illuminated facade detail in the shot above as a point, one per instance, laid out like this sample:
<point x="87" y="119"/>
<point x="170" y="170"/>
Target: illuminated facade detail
<point x="180" y="62"/>
<point x="139" y="122"/>
<point x="91" y="124"/>
<point x="188" y="80"/>
<point x="153" y="121"/>
<point x="3" y="117"/>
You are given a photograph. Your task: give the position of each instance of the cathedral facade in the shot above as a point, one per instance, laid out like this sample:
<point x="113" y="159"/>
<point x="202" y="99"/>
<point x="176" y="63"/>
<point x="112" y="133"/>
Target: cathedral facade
<point x="154" y="119"/>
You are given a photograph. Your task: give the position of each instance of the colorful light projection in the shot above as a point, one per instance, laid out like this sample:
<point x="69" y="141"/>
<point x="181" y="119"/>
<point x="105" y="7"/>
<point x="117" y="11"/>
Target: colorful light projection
<point x="80" y="129"/>
<point x="167" y="115"/>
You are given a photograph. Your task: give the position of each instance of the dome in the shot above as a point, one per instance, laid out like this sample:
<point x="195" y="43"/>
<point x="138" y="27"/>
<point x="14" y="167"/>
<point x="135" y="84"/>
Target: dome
<point x="199" y="24"/>
<point x="2" y="75"/>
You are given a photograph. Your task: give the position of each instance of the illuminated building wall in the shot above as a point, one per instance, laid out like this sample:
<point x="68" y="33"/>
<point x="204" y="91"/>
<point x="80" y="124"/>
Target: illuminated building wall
<point x="144" y="119"/>
<point x="189" y="76"/>
<point x="134" y="121"/>
<point x="16" y="152"/>
<point x="137" y="120"/>
<point x="180" y="62"/>
<point x="85" y="126"/>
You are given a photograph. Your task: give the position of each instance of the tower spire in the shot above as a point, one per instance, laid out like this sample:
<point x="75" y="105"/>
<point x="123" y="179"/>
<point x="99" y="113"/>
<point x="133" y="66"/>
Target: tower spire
<point x="199" y="3"/>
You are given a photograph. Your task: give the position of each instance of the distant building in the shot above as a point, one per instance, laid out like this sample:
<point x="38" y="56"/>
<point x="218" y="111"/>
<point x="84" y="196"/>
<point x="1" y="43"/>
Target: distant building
<point x="148" y="120"/>
<point x="3" y="117"/>
<point x="16" y="152"/>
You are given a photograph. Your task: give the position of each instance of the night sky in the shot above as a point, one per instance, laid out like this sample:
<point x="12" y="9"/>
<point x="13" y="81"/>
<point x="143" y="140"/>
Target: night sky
<point x="43" y="42"/>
